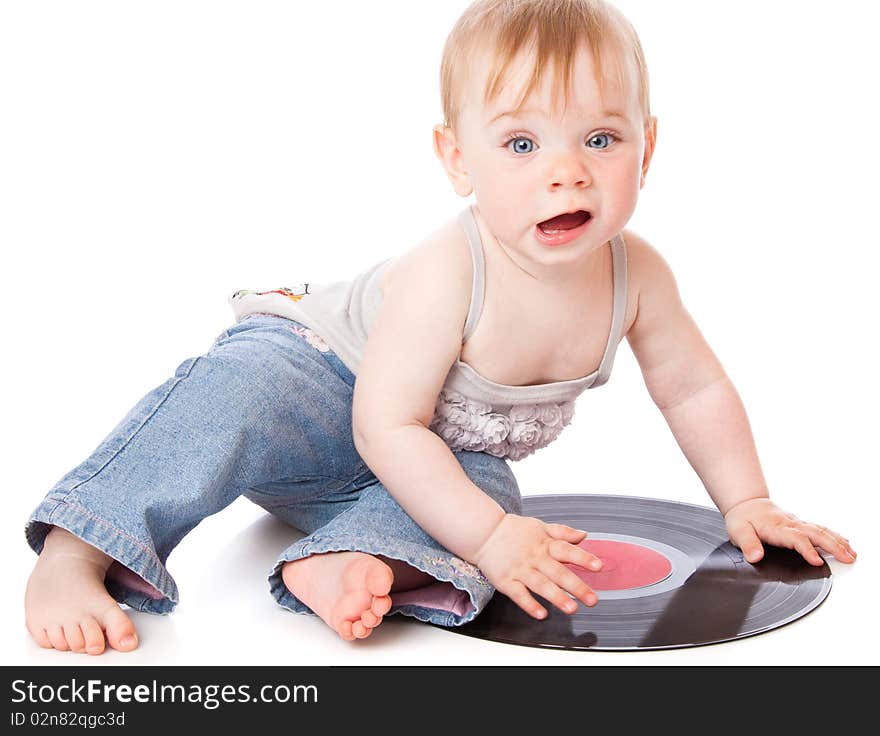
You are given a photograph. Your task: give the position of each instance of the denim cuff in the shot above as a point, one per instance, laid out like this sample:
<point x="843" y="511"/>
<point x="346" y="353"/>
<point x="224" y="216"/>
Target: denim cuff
<point x="114" y="542"/>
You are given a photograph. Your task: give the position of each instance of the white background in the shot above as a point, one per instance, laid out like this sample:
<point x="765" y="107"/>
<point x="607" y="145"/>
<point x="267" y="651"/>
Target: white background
<point x="158" y="156"/>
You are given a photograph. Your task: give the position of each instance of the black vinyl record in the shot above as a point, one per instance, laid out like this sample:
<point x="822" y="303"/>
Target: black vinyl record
<point x="713" y="594"/>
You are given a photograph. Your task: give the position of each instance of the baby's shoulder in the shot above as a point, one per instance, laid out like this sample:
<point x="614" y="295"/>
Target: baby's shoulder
<point x="652" y="283"/>
<point x="638" y="250"/>
<point x="646" y="267"/>
<point x="443" y="257"/>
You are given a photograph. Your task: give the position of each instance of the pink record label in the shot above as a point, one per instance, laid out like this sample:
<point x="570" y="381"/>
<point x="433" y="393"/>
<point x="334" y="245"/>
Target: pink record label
<point x="624" y="565"/>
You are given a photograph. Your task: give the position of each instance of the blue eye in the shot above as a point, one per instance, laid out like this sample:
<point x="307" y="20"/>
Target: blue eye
<point x="518" y="139"/>
<point x="598" y="136"/>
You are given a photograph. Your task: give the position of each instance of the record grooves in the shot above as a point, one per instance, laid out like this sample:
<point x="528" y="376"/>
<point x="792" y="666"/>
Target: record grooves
<point x="711" y="595"/>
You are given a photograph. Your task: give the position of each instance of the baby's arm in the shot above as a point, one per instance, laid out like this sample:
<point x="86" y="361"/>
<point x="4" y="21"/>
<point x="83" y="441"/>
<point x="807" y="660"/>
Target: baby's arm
<point x="704" y="411"/>
<point x="413" y="342"/>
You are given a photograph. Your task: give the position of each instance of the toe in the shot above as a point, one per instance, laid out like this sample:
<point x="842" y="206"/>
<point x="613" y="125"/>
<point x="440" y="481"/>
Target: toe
<point x="345" y="630"/>
<point x="41" y="637"/>
<point x="93" y="635"/>
<point x="75" y="639"/>
<point x="369" y="619"/>
<point x="120" y="630"/>
<point x="359" y="630"/>
<point x="379" y="580"/>
<point x="56" y="636"/>
<point x="381" y="605"/>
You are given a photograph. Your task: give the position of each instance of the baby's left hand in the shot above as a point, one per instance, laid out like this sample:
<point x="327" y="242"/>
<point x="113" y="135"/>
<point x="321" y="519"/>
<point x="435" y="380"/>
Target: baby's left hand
<point x="750" y="522"/>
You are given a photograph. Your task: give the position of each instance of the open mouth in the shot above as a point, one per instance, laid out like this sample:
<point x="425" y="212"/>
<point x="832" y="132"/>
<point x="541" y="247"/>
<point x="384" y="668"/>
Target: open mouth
<point x="566" y="221"/>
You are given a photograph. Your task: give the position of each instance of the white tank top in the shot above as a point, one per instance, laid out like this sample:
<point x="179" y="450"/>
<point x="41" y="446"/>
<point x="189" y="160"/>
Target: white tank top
<point x="472" y="413"/>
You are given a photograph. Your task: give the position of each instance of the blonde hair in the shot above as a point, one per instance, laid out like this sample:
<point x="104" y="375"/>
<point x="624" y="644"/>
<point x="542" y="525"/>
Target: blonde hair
<point x="556" y="29"/>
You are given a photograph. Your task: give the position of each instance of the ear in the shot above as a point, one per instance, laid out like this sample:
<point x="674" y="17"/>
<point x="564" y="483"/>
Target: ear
<point x="447" y="149"/>
<point x="650" y="143"/>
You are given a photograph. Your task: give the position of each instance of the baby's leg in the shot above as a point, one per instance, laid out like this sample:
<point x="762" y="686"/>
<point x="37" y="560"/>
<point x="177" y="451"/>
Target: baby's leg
<point x="373" y="559"/>
<point x="226" y="420"/>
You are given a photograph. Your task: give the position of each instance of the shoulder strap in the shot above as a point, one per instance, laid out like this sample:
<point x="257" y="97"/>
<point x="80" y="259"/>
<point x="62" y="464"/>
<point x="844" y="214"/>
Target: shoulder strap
<point x="469" y="222"/>
<point x="618" y="255"/>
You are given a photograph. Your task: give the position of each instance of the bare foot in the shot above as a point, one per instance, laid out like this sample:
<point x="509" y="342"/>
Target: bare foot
<point x="66" y="604"/>
<point x="348" y="590"/>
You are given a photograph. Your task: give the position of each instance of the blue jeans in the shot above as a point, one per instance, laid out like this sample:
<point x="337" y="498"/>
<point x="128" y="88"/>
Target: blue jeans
<point x="265" y="413"/>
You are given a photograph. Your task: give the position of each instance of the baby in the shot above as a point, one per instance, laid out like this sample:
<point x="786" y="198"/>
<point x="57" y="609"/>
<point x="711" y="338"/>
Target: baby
<point x="379" y="415"/>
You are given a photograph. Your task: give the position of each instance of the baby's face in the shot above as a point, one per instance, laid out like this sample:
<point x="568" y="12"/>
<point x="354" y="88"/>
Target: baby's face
<point x="527" y="169"/>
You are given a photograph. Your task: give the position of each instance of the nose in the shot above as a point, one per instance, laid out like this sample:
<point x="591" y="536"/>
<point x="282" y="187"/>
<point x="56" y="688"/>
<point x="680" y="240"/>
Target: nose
<point x="569" y="170"/>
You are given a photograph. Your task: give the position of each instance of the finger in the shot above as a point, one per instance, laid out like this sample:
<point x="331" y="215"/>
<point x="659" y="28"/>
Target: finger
<point x="566" y="533"/>
<point x="794" y="538"/>
<point x="828" y="540"/>
<point x="566" y="552"/>
<point x="519" y="594"/>
<point x="801" y="542"/>
<point x="568" y="581"/>
<point x="746" y="538"/>
<point x="547" y="589"/>
<point x="847" y="544"/>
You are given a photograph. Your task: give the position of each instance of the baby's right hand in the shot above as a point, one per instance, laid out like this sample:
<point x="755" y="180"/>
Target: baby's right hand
<point x="524" y="553"/>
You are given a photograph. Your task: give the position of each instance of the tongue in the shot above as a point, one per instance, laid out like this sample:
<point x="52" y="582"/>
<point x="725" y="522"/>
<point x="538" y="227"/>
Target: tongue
<point x="565" y="222"/>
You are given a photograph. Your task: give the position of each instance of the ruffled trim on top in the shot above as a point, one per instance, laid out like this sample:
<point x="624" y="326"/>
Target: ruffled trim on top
<point x="469" y="424"/>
